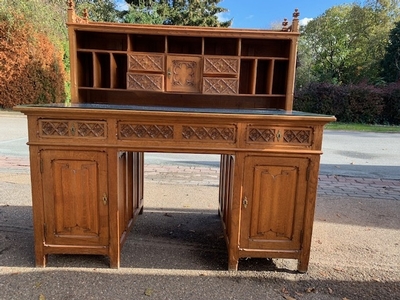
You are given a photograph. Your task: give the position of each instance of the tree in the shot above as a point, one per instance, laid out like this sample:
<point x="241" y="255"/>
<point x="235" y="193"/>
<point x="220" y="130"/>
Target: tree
<point x="346" y="43"/>
<point x="181" y="12"/>
<point x="391" y="60"/>
<point x="98" y="10"/>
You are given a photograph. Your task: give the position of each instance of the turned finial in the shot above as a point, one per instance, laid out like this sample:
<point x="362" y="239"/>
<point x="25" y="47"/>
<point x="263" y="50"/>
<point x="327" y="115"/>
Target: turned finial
<point x="296" y="14"/>
<point x="285" y="24"/>
<point x="85" y="14"/>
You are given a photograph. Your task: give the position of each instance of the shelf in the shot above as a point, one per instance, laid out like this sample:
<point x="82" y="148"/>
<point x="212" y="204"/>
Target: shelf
<point x="178" y="63"/>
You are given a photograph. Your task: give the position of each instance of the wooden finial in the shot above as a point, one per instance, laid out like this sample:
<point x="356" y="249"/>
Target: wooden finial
<point x="295" y="23"/>
<point x="284" y="25"/>
<point x="296" y="14"/>
<point x="71" y="4"/>
<point x="85" y="14"/>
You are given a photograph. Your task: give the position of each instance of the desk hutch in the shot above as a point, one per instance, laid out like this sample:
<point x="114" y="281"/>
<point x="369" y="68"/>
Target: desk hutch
<point x="140" y="88"/>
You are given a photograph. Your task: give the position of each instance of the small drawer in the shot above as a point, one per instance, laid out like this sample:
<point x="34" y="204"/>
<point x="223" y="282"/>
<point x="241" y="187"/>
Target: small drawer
<point x="221" y="86"/>
<point x="283" y="136"/>
<point x="146" y="62"/>
<point x="145" y="82"/>
<point x="221" y="66"/>
<point x="50" y="128"/>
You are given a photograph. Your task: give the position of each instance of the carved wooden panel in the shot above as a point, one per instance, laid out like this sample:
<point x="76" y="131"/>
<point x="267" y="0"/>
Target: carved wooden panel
<point x="221" y="65"/>
<point x="74" y="184"/>
<point x="183" y="73"/>
<point x="227" y="86"/>
<point x="145" y="82"/>
<point x="223" y="133"/>
<point x="274" y="196"/>
<point x="146" y="62"/>
<point x="292" y="136"/>
<point x="72" y="128"/>
<point x="297" y="136"/>
<point x="261" y="134"/>
<point x="145" y="131"/>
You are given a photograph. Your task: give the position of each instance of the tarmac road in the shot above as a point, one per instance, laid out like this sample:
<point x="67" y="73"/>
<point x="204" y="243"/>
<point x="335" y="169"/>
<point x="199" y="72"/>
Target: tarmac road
<point x="354" y="154"/>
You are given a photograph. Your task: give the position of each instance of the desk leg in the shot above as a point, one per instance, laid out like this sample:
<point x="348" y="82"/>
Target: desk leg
<point x="114" y="252"/>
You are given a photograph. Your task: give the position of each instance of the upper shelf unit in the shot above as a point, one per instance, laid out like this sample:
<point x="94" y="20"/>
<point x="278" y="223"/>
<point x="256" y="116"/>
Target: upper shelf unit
<point x="154" y="65"/>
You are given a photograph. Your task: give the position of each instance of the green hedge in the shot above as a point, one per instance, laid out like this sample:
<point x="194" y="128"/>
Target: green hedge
<point x="360" y="103"/>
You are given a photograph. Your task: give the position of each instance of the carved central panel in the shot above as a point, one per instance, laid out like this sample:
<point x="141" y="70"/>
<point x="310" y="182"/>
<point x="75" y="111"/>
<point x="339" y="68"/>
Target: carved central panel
<point x="183" y="74"/>
<point x="208" y="133"/>
<point x="142" y="131"/>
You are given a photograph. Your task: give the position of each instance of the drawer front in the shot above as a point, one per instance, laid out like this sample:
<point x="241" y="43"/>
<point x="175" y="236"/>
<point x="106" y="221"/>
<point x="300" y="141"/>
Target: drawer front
<point x="222" y="86"/>
<point x="146" y="62"/>
<point x="221" y="65"/>
<point x="145" y="82"/>
<point x="51" y="128"/>
<point x="283" y="136"/>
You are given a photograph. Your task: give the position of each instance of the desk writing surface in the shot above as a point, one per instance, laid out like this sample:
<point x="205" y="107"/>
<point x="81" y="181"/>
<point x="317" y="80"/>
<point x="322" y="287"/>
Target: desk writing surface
<point x="188" y="110"/>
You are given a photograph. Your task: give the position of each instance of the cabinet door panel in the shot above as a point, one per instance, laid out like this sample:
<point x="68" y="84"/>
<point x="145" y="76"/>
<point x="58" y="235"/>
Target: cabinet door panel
<point x="183" y="74"/>
<point x="75" y="197"/>
<point x="275" y="195"/>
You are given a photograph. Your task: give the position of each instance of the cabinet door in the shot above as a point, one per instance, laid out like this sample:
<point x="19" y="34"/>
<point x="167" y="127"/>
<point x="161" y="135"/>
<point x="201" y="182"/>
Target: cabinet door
<point x="274" y="194"/>
<point x="75" y="197"/>
<point x="183" y="74"/>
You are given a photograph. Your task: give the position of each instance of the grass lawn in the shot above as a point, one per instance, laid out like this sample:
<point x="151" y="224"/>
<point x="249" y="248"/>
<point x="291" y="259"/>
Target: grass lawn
<point x="362" y="127"/>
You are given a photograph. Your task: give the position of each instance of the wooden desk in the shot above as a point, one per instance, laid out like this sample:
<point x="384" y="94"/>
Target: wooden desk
<point x="87" y="174"/>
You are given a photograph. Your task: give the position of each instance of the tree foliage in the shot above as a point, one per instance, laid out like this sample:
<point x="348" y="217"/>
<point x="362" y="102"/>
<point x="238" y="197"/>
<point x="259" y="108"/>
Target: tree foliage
<point x="346" y="44"/>
<point x="177" y="12"/>
<point x="98" y="10"/>
<point x="31" y="52"/>
<point x="391" y="60"/>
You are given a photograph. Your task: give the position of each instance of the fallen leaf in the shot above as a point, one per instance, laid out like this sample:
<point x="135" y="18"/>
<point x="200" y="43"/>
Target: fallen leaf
<point x="148" y="292"/>
<point x="42" y="297"/>
<point x="330" y="291"/>
<point x="310" y="290"/>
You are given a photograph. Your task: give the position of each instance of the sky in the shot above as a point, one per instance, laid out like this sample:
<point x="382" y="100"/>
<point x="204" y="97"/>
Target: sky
<point x="264" y="14"/>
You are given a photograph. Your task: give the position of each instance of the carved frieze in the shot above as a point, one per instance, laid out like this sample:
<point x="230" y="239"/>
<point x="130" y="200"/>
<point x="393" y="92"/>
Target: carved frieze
<point x="91" y="129"/>
<point x="145" y="131"/>
<point x="227" y="133"/>
<point x="54" y="128"/>
<point x="255" y="134"/>
<point x="297" y="136"/>
<point x="72" y="128"/>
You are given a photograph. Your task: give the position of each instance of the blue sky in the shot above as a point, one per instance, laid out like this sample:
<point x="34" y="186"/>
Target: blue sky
<point x="265" y="13"/>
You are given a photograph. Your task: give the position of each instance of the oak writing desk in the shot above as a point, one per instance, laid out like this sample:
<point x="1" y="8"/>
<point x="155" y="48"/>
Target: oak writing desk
<point x="86" y="167"/>
<point x="138" y="88"/>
